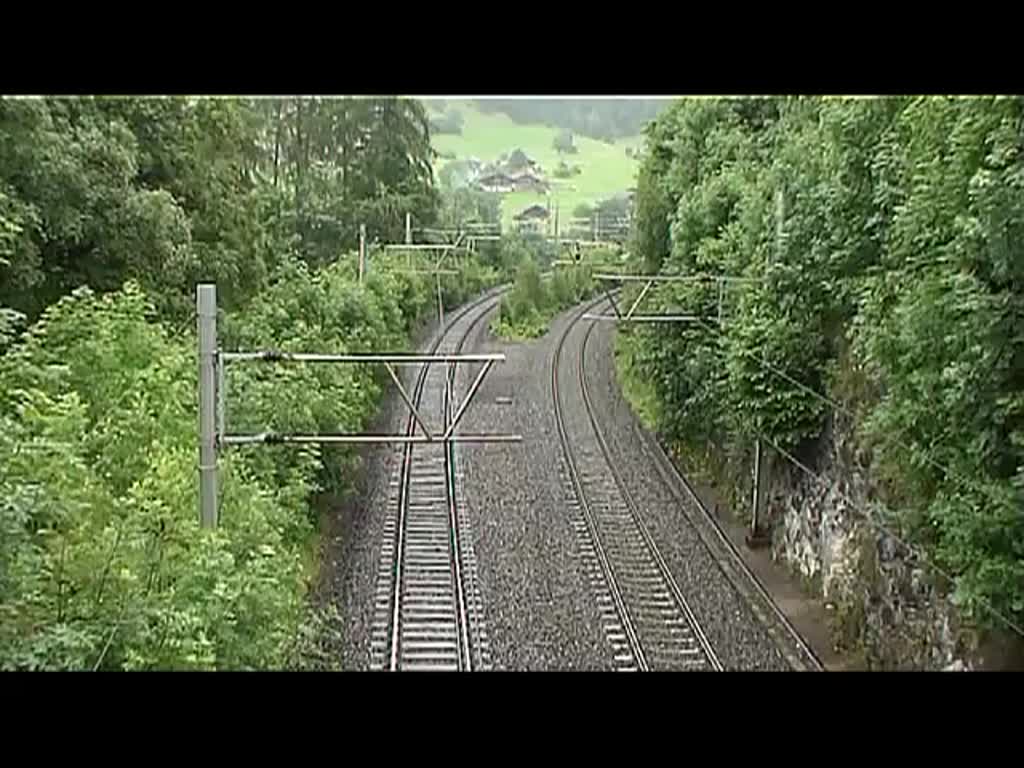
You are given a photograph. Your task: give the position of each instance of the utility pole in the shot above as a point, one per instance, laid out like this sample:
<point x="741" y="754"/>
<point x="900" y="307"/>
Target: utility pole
<point x="206" y="318"/>
<point x="408" y="229"/>
<point x="362" y="252"/>
<point x="440" y="303"/>
<point x="756" y="538"/>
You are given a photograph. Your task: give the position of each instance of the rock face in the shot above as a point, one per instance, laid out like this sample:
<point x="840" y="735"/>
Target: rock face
<point x="882" y="598"/>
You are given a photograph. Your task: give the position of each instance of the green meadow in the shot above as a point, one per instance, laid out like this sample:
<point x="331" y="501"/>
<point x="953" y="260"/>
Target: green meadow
<point x="605" y="168"/>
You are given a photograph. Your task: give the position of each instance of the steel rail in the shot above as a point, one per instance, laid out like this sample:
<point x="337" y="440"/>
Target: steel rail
<point x="462" y="624"/>
<point x="609" y="577"/>
<point x="652" y="547"/>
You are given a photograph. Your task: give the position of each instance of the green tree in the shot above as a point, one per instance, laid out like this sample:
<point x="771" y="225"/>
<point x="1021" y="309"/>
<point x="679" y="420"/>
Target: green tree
<point x="891" y="284"/>
<point x="71" y="206"/>
<point x="563" y="143"/>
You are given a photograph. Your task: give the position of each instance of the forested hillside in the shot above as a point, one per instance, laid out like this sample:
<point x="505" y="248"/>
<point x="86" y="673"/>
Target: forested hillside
<point x="110" y="210"/>
<point x="606" y="119"/>
<point x="889" y="294"/>
<point x="168" y="190"/>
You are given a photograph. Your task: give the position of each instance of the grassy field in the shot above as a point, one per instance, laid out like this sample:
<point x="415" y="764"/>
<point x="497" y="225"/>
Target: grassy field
<point x="605" y="169"/>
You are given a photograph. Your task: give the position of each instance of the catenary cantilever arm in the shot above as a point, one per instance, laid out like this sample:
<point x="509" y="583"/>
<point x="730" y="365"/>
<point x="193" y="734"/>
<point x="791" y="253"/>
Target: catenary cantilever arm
<point x="469" y="396"/>
<point x="639" y="298"/>
<point x="405" y="397"/>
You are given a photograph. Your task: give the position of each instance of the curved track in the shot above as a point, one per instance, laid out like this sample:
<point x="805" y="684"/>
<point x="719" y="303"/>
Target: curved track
<point x="646" y="618"/>
<point x="426" y="616"/>
<point x="745" y="580"/>
<point x="428" y="608"/>
<point x="730" y="563"/>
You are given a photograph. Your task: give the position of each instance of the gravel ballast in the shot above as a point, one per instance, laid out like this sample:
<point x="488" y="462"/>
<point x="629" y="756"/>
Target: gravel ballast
<point x="738" y="635"/>
<point x="536" y="599"/>
<point x="353" y="529"/>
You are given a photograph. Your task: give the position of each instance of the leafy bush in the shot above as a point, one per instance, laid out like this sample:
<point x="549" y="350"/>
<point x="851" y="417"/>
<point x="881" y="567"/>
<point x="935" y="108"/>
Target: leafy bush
<point x="525" y="311"/>
<point x="563" y="143"/>
<point x="564" y="171"/>
<point x="102" y="562"/>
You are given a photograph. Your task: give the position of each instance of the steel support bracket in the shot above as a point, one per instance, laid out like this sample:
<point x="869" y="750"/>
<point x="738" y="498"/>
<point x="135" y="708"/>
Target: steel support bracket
<point x="389" y="362"/>
<point x="649" y="281"/>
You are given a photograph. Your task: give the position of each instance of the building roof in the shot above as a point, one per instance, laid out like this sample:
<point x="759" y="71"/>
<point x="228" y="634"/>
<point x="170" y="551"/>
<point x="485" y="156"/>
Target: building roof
<point x="498" y="177"/>
<point x="520" y="159"/>
<point x="535" y="211"/>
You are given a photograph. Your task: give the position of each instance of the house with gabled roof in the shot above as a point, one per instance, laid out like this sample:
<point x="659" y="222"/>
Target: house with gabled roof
<point x="532" y="218"/>
<point x="496" y="182"/>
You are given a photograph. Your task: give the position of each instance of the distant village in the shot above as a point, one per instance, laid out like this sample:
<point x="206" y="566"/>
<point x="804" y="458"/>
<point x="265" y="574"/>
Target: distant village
<point x="516" y="172"/>
<point x="512" y="172"/>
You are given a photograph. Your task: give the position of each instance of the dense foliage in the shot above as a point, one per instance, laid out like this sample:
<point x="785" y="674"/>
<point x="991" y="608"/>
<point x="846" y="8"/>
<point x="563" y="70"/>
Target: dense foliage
<point x="165" y="191"/>
<point x="534" y="298"/>
<point x="110" y="210"/>
<point x="892" y="283"/>
<point x="103" y="565"/>
<point x="103" y="562"/>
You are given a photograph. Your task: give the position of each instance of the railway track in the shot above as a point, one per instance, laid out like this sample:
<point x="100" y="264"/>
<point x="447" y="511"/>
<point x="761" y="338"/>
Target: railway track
<point x="731" y="563"/>
<point x="428" y="610"/>
<point x="646" y="618"/>
<point x="724" y="553"/>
